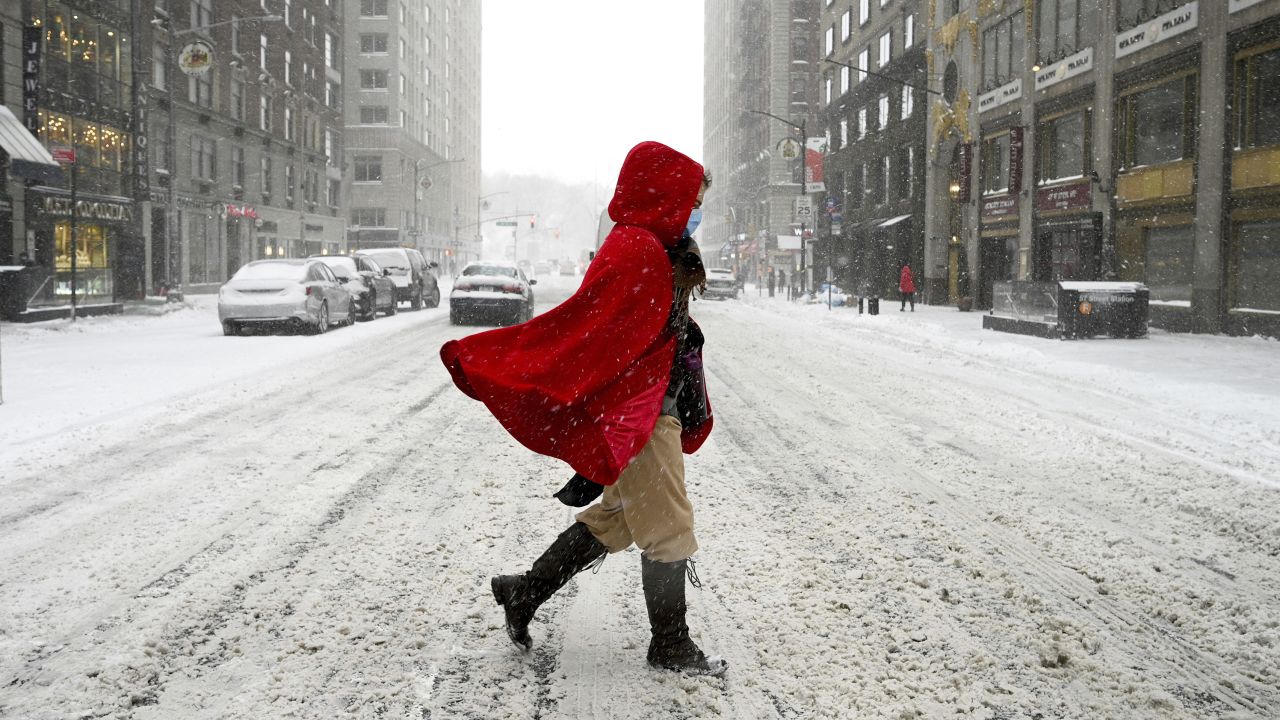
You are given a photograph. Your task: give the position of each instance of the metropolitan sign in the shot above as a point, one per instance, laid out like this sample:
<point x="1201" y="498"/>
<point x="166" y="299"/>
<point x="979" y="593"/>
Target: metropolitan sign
<point x="196" y="58"/>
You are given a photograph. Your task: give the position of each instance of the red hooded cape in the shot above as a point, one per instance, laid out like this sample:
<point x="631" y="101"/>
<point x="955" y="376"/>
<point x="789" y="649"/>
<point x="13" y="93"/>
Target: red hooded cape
<point x="584" y="382"/>
<point x="906" y="282"/>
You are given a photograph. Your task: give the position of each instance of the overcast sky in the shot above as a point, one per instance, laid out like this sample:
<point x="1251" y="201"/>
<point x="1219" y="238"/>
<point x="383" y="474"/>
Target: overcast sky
<point x="570" y="85"/>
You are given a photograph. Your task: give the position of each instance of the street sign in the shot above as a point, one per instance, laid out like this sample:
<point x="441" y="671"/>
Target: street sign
<point x="804" y="209"/>
<point x="506" y="223"/>
<point x="63" y="154"/>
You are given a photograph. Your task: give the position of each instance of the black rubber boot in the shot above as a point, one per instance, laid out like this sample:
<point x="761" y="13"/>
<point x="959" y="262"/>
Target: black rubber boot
<point x="521" y="595"/>
<point x="671" y="647"/>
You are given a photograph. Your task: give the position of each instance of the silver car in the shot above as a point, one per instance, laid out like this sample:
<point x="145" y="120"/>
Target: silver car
<point x="496" y="289"/>
<point x="304" y="294"/>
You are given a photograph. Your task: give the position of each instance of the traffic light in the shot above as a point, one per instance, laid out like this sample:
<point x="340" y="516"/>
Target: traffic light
<point x="532" y="221"/>
<point x="557" y="233"/>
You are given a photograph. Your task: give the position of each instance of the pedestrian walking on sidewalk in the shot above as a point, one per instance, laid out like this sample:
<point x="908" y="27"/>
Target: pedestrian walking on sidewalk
<point x="771" y="282"/>
<point x="907" y="287"/>
<point x="610" y="381"/>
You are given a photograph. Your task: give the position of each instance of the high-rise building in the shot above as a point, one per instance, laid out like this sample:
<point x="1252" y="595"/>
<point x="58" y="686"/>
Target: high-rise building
<point x="412" y="114"/>
<point x="250" y="167"/>
<point x="1109" y="139"/>
<point x="760" y="59"/>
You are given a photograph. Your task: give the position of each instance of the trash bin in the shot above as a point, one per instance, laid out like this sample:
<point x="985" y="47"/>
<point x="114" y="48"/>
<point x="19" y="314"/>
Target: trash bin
<point x="1115" y="309"/>
<point x="861" y="300"/>
<point x="12" y="286"/>
<point x="873" y="306"/>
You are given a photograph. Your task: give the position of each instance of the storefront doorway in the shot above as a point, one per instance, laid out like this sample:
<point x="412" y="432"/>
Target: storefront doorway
<point x="1068" y="250"/>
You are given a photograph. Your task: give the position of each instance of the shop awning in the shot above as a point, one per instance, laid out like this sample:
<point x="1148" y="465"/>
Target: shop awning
<point x="893" y="221"/>
<point x="27" y="157"/>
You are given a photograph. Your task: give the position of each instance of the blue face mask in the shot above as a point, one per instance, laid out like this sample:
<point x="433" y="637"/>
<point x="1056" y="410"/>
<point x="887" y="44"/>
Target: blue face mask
<point x="695" y="219"/>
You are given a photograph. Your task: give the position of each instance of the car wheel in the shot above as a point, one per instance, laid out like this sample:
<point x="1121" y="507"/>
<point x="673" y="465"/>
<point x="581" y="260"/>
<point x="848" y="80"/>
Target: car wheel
<point x="351" y="314"/>
<point x="455" y="317"/>
<point x="229" y="328"/>
<point x="391" y="308"/>
<point x="435" y="297"/>
<point x="322" y="319"/>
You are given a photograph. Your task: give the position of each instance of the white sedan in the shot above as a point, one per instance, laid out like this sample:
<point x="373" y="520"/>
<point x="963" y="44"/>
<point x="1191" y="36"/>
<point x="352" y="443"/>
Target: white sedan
<point x="303" y="294"/>
<point x="491" y="289"/>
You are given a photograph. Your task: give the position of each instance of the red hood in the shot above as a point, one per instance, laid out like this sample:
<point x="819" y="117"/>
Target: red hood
<point x="657" y="187"/>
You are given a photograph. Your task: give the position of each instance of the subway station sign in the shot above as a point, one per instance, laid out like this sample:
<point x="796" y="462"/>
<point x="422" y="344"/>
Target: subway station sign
<point x="1169" y="25"/>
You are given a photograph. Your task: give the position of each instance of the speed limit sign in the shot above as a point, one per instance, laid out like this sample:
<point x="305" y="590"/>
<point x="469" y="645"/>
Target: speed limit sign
<point x="804" y="209"/>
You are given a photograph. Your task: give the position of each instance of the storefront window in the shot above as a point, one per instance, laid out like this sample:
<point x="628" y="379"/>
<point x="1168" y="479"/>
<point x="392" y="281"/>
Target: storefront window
<point x="1158" y="123"/>
<point x="1170" y="259"/>
<point x="1258" y="99"/>
<point x="995" y="164"/>
<point x="91" y="246"/>
<point x="1064" y="143"/>
<point x="1257" y="266"/>
<point x="1003" y="51"/>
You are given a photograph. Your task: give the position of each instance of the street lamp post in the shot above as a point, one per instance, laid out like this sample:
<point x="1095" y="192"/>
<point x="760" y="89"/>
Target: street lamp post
<point x="804" y="187"/>
<point x="171" y="78"/>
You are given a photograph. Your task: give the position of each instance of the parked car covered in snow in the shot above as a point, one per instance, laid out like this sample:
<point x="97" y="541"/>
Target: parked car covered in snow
<point x="303" y="294"/>
<point x="491" y="289"/>
<point x="721" y="284"/>
<point x="370" y="284"/>
<point x="411" y="274"/>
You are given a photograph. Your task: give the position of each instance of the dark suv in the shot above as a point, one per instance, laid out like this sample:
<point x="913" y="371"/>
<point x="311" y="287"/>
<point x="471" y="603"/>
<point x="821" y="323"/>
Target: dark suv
<point x="411" y="274"/>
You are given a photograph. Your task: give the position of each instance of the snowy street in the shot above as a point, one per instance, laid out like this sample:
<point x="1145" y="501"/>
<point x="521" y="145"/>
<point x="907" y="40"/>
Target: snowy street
<point x="901" y="516"/>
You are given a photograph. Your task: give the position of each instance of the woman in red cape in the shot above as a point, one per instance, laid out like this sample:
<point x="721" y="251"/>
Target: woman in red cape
<point x="594" y="382"/>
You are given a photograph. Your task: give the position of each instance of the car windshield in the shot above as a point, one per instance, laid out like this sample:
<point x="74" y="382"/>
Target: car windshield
<point x="272" y="271"/>
<point x="391" y="259"/>
<point x="489" y="270"/>
<point x="341" y="266"/>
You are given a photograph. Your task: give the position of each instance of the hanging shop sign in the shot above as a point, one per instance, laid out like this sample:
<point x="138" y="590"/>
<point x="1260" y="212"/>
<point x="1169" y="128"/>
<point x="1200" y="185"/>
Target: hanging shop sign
<point x="1064" y="197"/>
<point x="815" y="151"/>
<point x="1169" y="25"/>
<point x="141" y="159"/>
<point x="32" y="37"/>
<point x="965" y="174"/>
<point x="93" y="209"/>
<point x="1065" y="69"/>
<point x="1236" y="6"/>
<point x="789" y="148"/>
<point x="196" y="58"/>
<point x="1000" y="207"/>
<point x="1006" y="93"/>
<point x="1017" y="149"/>
<point x="240" y="211"/>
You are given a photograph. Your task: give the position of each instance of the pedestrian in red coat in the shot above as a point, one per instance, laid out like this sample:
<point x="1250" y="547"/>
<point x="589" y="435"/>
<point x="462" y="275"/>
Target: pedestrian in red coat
<point x="907" y="286"/>
<point x="600" y="382"/>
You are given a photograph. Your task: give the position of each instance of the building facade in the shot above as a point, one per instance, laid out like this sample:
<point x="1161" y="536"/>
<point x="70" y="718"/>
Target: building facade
<point x="75" y="83"/>
<point x="874" y="91"/>
<point x="250" y="167"/>
<point x="1109" y="139"/>
<point x="761" y="57"/>
<point x="413" y="126"/>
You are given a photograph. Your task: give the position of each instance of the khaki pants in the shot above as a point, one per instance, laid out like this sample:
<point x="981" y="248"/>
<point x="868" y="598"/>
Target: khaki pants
<point x="648" y="505"/>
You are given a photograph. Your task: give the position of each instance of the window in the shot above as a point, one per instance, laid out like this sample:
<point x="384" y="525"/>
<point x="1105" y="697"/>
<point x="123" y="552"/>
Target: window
<point x="369" y="217"/>
<point x="950" y="8"/>
<point x="404" y="49"/>
<point x="264" y="175"/>
<point x="875" y="184"/>
<point x="831" y="39"/>
<point x="235" y="99"/>
<point x="201" y="13"/>
<point x="404" y="119"/>
<point x="886" y="48"/>
<point x="159" y="66"/>
<point x="1060" y="27"/>
<point x="237" y="166"/>
<point x="289" y="184"/>
<point x="864" y="64"/>
<point x="864" y="11"/>
<point x="288" y="68"/>
<point x="404" y="84"/>
<point x="289" y="133"/>
<point x="288" y="13"/>
<point x="1064" y="147"/>
<point x="203" y="156"/>
<point x="264" y="112"/>
<point x="908" y="101"/>
<point x="1135" y="12"/>
<point x="335" y="193"/>
<point x="200" y="89"/>
<point x="884" y="2"/>
<point x="828" y="89"/>
<point x="884" y="111"/>
<point x="909" y="173"/>
<point x="373" y="43"/>
<point x="1256" y="261"/>
<point x="1002" y="51"/>
<point x="235" y="35"/>
<point x="858" y="189"/>
<point x="368" y="168"/>
<point x="844" y="80"/>
<point x="1170" y="257"/>
<point x="373" y="8"/>
<point x="330" y="149"/>
<point x="331" y="94"/>
<point x="404" y="14"/>
<point x="908" y="31"/>
<point x="1158" y="123"/>
<point x="995" y="164"/>
<point x="1258" y="99"/>
<point x="844" y="133"/>
<point x="846" y="22"/>
<point x="311" y="187"/>
<point x="262" y="52"/>
<point x="373" y="115"/>
<point x="330" y="51"/>
<point x="862" y="123"/>
<point x="373" y="79"/>
<point x="886" y="192"/>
